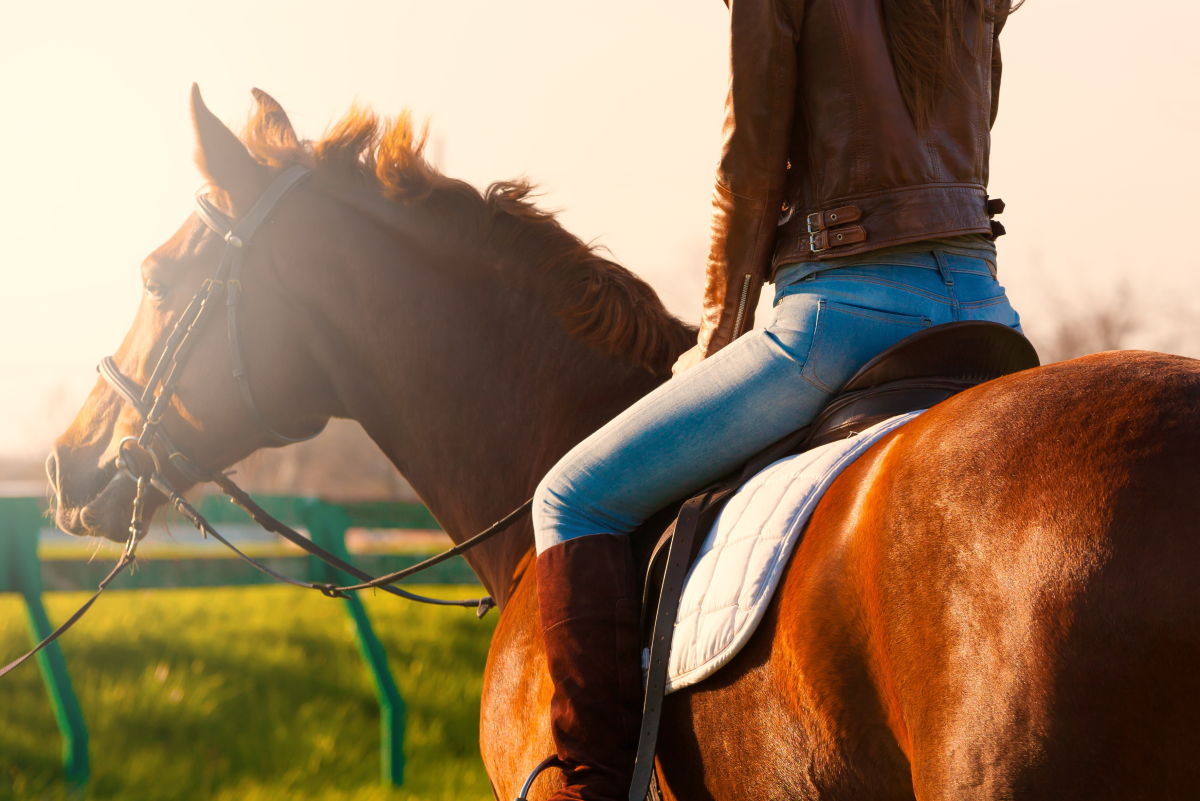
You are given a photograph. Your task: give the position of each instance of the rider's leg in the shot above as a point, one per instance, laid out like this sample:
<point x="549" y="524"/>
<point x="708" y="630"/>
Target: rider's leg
<point x="588" y="602"/>
<point x="706" y="421"/>
<point x="693" y="429"/>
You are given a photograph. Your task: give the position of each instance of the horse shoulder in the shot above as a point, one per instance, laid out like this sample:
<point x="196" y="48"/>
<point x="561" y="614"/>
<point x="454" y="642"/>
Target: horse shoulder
<point x="514" y="720"/>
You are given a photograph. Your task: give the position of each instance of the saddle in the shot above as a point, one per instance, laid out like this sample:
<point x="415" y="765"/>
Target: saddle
<point x="916" y="373"/>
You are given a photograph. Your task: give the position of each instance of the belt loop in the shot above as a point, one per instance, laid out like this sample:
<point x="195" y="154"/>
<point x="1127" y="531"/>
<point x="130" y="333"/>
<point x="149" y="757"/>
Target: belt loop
<point x="948" y="279"/>
<point x="943" y="268"/>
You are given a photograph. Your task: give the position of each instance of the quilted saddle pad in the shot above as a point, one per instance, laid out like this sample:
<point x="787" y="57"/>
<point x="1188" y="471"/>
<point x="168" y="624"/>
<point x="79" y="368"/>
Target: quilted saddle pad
<point x="745" y="553"/>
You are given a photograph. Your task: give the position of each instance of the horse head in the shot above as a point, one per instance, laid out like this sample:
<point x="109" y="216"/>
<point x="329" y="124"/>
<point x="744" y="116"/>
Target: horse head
<point x="448" y="322"/>
<point x="205" y="415"/>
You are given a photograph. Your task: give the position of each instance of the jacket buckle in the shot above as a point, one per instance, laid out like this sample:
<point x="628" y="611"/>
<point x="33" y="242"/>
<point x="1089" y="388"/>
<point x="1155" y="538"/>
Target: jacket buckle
<point x="824" y="231"/>
<point x="815" y="223"/>
<point x="818" y="241"/>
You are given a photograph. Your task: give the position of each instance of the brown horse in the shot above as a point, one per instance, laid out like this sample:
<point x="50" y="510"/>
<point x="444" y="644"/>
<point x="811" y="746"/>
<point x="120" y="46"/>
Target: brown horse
<point x="998" y="601"/>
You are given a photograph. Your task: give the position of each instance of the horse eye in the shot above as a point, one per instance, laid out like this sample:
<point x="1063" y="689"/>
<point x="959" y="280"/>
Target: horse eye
<point x="155" y="290"/>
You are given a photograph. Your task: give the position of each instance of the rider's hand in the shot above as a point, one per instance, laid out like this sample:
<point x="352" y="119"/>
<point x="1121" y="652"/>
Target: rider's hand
<point x="690" y="358"/>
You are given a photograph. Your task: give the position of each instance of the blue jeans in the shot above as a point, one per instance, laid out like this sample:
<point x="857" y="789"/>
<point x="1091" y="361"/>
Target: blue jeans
<point x="708" y="420"/>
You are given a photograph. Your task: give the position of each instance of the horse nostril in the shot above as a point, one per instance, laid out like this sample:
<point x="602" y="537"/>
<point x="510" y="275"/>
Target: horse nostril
<point x="52" y="470"/>
<point x="54" y="496"/>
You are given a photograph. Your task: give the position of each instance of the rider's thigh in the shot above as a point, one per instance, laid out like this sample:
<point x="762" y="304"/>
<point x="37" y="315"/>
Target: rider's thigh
<point x="693" y="429"/>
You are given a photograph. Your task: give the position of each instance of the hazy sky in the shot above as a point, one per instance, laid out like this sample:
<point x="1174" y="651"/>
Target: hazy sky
<point x="613" y="108"/>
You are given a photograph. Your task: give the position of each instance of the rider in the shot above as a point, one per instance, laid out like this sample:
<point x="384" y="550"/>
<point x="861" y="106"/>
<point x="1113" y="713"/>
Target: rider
<point x="853" y="177"/>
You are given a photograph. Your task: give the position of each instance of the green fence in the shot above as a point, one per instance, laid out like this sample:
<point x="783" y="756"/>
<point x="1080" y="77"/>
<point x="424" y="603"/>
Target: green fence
<point x="21" y="571"/>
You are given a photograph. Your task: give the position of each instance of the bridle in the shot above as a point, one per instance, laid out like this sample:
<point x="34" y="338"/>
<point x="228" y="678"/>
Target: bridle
<point x="153" y="399"/>
<point x="140" y="457"/>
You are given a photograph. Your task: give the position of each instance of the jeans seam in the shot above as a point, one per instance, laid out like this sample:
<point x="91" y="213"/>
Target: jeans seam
<point x="895" y="285"/>
<point x="892" y="261"/>
<point x="919" y="321"/>
<point x="986" y="303"/>
<point x="850" y="268"/>
<point x="812" y="379"/>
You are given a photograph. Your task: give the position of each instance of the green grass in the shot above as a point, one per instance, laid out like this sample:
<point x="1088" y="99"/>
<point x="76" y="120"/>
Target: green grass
<point x="251" y="694"/>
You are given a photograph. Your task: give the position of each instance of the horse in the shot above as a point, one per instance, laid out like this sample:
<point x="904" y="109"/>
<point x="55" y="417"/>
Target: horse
<point x="996" y="601"/>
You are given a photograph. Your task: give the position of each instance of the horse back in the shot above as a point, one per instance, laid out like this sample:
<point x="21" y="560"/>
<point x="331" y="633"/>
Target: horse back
<point x="997" y="601"/>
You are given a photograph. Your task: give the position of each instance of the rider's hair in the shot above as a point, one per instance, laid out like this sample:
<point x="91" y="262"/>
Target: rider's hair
<point x="923" y="36"/>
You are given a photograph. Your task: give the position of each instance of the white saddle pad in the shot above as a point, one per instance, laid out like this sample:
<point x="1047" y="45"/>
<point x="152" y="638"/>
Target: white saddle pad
<point x="743" y="557"/>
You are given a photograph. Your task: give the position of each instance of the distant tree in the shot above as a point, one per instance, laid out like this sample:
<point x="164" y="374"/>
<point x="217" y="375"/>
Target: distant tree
<point x="1116" y="319"/>
<point x="1107" y="323"/>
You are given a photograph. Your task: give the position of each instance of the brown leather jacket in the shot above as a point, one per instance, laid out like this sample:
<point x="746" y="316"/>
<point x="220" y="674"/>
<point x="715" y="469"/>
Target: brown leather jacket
<point x="821" y="157"/>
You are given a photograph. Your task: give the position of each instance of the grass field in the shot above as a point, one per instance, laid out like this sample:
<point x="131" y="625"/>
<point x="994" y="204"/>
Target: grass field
<point x="247" y="694"/>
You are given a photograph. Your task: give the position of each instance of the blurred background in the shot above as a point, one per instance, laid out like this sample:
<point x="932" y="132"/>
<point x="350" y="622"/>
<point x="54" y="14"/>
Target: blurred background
<point x="613" y="109"/>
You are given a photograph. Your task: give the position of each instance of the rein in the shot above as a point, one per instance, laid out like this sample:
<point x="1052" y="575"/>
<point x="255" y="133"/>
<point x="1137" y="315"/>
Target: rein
<point x="140" y="461"/>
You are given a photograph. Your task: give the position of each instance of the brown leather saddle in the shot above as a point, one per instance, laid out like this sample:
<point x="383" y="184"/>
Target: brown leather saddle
<point x="916" y="373"/>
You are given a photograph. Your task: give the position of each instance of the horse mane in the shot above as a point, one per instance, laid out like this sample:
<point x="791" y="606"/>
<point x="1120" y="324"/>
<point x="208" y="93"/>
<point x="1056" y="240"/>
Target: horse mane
<point x="597" y="300"/>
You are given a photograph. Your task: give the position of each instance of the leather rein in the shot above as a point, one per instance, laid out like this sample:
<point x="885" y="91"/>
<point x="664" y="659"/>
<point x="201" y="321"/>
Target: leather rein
<point x="141" y="461"/>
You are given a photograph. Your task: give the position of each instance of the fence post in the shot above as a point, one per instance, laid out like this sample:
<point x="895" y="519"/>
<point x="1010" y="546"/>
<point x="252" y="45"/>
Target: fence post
<point x="20" y="570"/>
<point x="327" y="524"/>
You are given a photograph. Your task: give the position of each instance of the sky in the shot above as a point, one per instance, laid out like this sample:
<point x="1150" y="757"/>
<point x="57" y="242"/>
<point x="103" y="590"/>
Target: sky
<point x="613" y="108"/>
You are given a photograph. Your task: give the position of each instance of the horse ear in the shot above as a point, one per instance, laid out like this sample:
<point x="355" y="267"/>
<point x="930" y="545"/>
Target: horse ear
<point x="223" y="159"/>
<point x="271" y="123"/>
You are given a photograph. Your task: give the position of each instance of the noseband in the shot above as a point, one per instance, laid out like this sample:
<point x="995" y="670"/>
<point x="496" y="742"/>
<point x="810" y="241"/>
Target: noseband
<point x="139" y="459"/>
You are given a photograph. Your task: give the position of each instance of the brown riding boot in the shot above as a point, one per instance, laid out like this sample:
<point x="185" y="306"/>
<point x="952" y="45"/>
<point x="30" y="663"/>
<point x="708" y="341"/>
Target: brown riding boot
<point x="589" y="609"/>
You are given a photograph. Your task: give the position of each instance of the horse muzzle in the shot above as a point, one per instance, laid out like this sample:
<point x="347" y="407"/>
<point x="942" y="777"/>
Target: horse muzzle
<point x="96" y="505"/>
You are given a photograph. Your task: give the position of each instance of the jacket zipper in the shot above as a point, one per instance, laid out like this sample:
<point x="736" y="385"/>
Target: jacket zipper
<point x="741" y="307"/>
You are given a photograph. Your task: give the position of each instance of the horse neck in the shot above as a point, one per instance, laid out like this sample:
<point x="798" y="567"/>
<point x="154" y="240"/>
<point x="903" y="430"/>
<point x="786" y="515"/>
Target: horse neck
<point x="463" y="377"/>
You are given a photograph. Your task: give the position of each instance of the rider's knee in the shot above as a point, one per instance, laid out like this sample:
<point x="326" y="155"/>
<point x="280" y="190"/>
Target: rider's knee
<point x="563" y="510"/>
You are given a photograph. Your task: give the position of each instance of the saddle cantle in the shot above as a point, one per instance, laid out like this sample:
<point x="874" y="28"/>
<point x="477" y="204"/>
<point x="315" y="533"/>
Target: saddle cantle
<point x="916" y="373"/>
<point x="920" y="371"/>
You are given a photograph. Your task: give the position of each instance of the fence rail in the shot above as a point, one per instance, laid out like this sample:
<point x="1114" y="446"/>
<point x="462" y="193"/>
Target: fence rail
<point x="22" y="572"/>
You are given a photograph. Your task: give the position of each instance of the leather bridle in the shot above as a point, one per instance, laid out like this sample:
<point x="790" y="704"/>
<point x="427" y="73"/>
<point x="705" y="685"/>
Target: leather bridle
<point x="140" y="457"/>
<point x="153" y="399"/>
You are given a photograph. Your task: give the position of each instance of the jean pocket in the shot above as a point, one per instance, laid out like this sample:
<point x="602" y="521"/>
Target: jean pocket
<point x="847" y="336"/>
